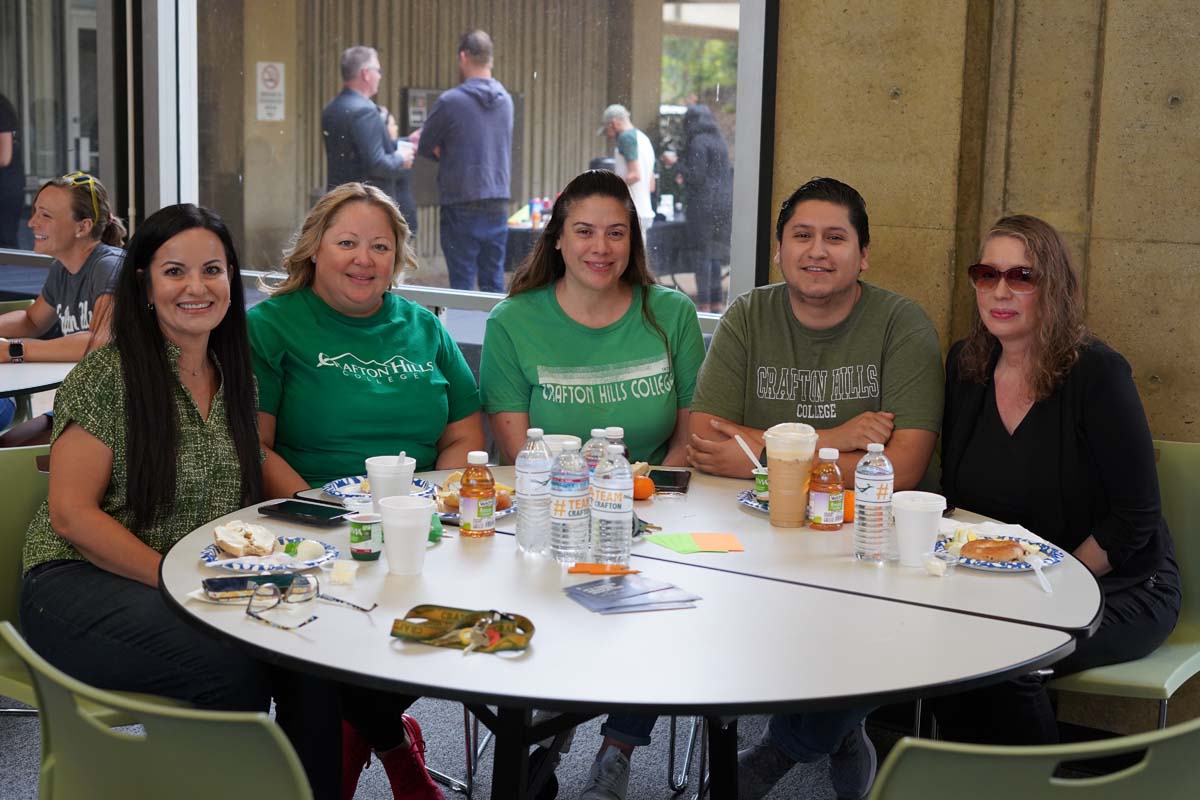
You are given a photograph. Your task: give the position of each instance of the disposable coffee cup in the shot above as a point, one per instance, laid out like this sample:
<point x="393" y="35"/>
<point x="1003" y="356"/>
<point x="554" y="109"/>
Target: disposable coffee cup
<point x="790" y="449"/>
<point x="390" y="476"/>
<point x="555" y="442"/>
<point x="917" y="516"/>
<point x="405" y="532"/>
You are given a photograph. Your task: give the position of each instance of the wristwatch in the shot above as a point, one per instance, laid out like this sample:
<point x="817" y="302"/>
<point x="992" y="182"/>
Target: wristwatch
<point x="16" y="351"/>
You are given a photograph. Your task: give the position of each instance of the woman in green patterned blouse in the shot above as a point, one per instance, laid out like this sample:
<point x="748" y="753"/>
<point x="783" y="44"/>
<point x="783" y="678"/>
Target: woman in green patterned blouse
<point x="154" y="436"/>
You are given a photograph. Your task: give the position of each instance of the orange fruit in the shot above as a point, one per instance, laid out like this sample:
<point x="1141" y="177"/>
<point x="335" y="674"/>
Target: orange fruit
<point x="643" y="488"/>
<point x="848" y="507"/>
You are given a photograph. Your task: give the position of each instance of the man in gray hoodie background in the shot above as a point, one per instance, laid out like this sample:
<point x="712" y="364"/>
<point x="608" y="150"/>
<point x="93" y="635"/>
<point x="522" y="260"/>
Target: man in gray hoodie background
<point x="469" y="133"/>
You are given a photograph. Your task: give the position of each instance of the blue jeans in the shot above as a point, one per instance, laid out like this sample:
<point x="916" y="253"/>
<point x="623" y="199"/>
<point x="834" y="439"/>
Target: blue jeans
<point x="474" y="236"/>
<point x="804" y="737"/>
<point x="8" y="410"/>
<point x="118" y="634"/>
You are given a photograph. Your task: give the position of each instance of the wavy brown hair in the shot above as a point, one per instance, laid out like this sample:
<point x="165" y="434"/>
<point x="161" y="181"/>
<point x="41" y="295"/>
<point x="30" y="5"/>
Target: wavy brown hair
<point x="89" y="201"/>
<point x="1060" y="329"/>
<point x="298" y="258"/>
<point x="545" y="264"/>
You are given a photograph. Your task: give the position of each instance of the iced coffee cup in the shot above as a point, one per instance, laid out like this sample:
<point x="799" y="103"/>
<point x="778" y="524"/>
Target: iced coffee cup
<point x="790" y="449"/>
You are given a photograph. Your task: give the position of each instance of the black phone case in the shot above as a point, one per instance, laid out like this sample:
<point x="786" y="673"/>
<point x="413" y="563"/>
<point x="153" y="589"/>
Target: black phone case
<point x="296" y="516"/>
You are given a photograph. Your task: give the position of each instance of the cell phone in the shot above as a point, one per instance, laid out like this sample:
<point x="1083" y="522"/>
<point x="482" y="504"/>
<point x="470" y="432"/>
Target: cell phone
<point x="670" y="481"/>
<point x="306" y="513"/>
<point x="242" y="585"/>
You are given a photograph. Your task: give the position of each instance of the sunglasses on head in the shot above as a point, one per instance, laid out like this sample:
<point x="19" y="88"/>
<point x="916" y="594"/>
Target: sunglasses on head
<point x="1021" y="280"/>
<point x="78" y="178"/>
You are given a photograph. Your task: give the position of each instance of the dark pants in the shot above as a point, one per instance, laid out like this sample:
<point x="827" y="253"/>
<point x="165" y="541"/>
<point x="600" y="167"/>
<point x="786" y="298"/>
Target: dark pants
<point x="1135" y="622"/>
<point x="11" y="206"/>
<point x="474" y="236"/>
<point x="708" y="281"/>
<point x="118" y="634"/>
<point x="375" y="715"/>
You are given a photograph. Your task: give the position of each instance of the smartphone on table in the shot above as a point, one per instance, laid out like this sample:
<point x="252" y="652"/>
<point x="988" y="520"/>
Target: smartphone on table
<point x="243" y="585"/>
<point x="670" y="481"/>
<point x="305" y="512"/>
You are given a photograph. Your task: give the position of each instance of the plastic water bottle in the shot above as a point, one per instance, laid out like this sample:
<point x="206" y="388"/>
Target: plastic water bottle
<point x="593" y="450"/>
<point x="615" y="434"/>
<point x="612" y="508"/>
<point x="874" y="481"/>
<point x="569" y="494"/>
<point x="533" y="494"/>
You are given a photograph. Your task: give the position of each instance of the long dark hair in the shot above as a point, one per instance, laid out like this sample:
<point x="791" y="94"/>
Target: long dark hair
<point x="545" y="264"/>
<point x="151" y="421"/>
<point x="1061" y="331"/>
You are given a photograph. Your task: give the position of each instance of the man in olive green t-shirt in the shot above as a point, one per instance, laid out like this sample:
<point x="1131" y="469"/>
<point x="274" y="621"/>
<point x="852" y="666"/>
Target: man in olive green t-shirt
<point x="858" y="363"/>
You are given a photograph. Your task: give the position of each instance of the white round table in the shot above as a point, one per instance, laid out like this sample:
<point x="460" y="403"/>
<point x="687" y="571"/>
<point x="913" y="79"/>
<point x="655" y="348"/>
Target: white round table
<point x="752" y="645"/>
<point x="27" y="378"/>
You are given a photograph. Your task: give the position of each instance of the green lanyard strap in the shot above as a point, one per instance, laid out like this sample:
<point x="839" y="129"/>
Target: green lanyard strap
<point x="443" y="626"/>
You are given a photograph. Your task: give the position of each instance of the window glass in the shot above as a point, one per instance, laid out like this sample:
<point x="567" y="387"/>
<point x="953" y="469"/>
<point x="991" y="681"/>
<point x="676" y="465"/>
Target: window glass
<point x="279" y="122"/>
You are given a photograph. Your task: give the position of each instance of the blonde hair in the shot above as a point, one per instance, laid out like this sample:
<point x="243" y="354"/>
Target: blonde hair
<point x="299" y="259"/>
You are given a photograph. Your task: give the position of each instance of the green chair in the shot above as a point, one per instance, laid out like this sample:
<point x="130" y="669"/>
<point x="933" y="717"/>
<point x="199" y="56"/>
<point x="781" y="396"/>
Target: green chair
<point x="921" y="769"/>
<point x="24" y="491"/>
<point x="24" y="403"/>
<point x="1160" y="674"/>
<point x="182" y="753"/>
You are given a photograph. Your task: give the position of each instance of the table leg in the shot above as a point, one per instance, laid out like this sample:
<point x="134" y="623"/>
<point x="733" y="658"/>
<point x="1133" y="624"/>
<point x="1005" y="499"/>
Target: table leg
<point x="511" y="766"/>
<point x="722" y="749"/>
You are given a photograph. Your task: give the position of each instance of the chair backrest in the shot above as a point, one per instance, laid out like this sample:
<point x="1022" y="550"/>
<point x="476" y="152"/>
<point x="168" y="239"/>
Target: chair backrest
<point x="930" y="770"/>
<point x="24" y="490"/>
<point x="182" y="754"/>
<point x="14" y="305"/>
<point x="1179" y="486"/>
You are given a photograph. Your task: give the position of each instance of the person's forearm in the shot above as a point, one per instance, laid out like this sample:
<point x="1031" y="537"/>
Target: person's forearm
<point x="454" y="454"/>
<point x="108" y="544"/>
<point x="1093" y="556"/>
<point x="17" y="324"/>
<point x="279" y="479"/>
<point x="64" y="348"/>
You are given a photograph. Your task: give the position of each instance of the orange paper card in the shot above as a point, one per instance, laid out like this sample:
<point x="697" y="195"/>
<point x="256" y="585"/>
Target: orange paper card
<point x="718" y="542"/>
<point x="602" y="569"/>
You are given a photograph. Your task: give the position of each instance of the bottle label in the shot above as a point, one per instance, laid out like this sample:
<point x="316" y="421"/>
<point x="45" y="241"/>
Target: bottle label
<point x="873" y="490"/>
<point x="365" y="540"/>
<point x="477" y="514"/>
<point x="569" y="498"/>
<point x="612" y="503"/>
<point x="533" y="484"/>
<point x="826" y="508"/>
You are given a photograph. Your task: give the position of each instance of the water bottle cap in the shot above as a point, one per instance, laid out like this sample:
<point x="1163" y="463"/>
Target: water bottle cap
<point x="535" y="433"/>
<point x="615" y="450"/>
<point x="597" y="433"/>
<point x="828" y="454"/>
<point x="477" y="458"/>
<point x="570" y="446"/>
<point x="613" y="432"/>
<point x="875" y="447"/>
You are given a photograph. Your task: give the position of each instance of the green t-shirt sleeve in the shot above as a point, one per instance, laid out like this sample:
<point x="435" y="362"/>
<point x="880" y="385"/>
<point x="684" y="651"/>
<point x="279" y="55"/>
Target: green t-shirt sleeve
<point x="721" y="386"/>
<point x="627" y="144"/>
<point x="687" y="353"/>
<point x="913" y="377"/>
<point x="501" y="380"/>
<point x="92" y="397"/>
<point x="462" y="393"/>
<point x="267" y="354"/>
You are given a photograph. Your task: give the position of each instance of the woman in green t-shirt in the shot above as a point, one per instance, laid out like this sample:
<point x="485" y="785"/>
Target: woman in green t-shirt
<point x="587" y="338"/>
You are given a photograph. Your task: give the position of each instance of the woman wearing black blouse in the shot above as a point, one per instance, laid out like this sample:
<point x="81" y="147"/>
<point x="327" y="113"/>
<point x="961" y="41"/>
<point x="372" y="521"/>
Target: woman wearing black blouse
<point x="1043" y="427"/>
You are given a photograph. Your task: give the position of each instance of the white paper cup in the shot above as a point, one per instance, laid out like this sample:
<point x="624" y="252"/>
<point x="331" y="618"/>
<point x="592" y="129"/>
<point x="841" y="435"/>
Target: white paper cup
<point x="917" y="517"/>
<point x="389" y="477"/>
<point x="406" y="532"/>
<point x="555" y="442"/>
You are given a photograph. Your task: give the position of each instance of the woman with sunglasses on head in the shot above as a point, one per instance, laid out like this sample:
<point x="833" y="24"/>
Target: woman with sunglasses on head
<point x="155" y="436"/>
<point x="1043" y="427"/>
<point x="348" y="370"/>
<point x="73" y="222"/>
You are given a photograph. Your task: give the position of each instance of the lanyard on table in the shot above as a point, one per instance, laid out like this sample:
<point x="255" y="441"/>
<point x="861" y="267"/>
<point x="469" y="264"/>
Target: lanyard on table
<point x="443" y="626"/>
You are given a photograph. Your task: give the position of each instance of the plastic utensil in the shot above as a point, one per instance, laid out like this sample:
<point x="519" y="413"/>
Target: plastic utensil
<point x="1036" y="562"/>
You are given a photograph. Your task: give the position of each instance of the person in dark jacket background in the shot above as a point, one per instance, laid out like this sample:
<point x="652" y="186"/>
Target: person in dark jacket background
<point x="708" y="186"/>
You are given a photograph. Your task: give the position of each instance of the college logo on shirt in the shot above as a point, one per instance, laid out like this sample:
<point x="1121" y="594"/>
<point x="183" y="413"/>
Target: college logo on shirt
<point x="610" y="383"/>
<point x="817" y="390"/>
<point x="396" y="368"/>
<point x="71" y="323"/>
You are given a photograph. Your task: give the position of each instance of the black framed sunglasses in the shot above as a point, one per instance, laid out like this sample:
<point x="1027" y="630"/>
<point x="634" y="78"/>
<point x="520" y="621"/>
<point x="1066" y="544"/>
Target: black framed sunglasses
<point x="302" y="589"/>
<point x="78" y="178"/>
<point x="1021" y="280"/>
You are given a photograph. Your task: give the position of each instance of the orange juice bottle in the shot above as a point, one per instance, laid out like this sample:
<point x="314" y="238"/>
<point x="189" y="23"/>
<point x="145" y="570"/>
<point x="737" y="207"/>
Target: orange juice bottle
<point x="477" y="497"/>
<point x="826" y="492"/>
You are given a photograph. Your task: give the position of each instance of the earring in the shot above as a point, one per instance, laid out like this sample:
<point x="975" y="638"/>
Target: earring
<point x="150" y="307"/>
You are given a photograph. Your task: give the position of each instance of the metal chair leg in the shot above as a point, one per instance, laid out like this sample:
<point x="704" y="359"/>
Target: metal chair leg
<point x="678" y="781"/>
<point x="702" y="789"/>
<point x="18" y="712"/>
<point x="1162" y="714"/>
<point x="917" y="720"/>
<point x="473" y="750"/>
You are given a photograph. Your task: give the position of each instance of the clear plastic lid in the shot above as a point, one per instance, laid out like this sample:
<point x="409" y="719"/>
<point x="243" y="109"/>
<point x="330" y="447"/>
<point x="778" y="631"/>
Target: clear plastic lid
<point x="829" y="454"/>
<point x="477" y="458"/>
<point x="534" y="433"/>
<point x="614" y="432"/>
<point x="874" y="447"/>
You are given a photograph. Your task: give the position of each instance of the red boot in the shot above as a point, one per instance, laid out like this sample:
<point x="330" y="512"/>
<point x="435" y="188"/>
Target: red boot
<point x="355" y="755"/>
<point x="405" y="767"/>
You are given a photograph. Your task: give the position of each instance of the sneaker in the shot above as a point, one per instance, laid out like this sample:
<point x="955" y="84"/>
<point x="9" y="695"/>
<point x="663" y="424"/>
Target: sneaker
<point x="608" y="778"/>
<point x="760" y="767"/>
<point x="852" y="767"/>
<point x="405" y="767"/>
